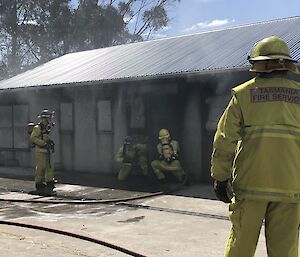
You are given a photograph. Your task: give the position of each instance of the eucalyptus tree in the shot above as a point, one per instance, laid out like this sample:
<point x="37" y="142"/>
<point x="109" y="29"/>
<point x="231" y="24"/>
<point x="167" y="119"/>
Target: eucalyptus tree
<point x="35" y="31"/>
<point x="32" y="32"/>
<point x="95" y="25"/>
<point x="144" y="17"/>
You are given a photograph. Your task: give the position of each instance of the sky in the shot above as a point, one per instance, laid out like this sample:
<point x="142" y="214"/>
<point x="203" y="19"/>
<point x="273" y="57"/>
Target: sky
<point x="192" y="16"/>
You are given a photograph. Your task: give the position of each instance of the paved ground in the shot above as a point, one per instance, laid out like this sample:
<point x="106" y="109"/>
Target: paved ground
<point x="186" y="223"/>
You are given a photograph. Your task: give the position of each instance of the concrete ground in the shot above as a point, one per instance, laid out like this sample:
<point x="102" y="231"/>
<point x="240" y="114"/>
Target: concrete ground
<point x="186" y="223"/>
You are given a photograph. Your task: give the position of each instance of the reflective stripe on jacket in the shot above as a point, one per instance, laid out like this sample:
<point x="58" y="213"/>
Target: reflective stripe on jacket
<point x="258" y="140"/>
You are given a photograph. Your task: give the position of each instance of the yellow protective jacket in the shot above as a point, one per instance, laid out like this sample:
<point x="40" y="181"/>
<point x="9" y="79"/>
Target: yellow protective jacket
<point x="39" y="137"/>
<point x="257" y="141"/>
<point x="137" y="154"/>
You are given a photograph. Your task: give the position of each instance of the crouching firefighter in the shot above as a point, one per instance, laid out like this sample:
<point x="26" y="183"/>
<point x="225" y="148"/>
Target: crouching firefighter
<point x="168" y="162"/>
<point x="131" y="156"/>
<point x="40" y="139"/>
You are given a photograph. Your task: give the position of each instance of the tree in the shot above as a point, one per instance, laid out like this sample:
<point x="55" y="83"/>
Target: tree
<point x="119" y="21"/>
<point x="32" y="32"/>
<point x="143" y="17"/>
<point x="35" y="31"/>
<point x="96" y="26"/>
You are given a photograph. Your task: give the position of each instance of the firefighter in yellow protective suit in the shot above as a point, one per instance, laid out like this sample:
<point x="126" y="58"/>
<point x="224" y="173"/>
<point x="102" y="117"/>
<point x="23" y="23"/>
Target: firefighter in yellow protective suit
<point x="131" y="156"/>
<point x="257" y="146"/>
<point x="44" y="148"/>
<point x="168" y="151"/>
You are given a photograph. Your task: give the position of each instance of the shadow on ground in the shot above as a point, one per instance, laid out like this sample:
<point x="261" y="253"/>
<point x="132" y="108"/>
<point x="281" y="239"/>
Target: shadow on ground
<point x="134" y="183"/>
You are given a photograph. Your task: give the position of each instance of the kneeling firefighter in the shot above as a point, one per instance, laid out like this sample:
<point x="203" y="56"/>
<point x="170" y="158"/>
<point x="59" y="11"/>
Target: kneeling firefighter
<point x="168" y="151"/>
<point x="257" y="144"/>
<point x="40" y="139"/>
<point x="131" y="156"/>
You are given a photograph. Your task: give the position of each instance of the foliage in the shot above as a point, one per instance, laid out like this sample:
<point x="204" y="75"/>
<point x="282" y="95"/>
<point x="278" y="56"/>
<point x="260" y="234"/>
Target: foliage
<point x="35" y="31"/>
<point x="32" y="31"/>
<point x="145" y="16"/>
<point x="96" y="26"/>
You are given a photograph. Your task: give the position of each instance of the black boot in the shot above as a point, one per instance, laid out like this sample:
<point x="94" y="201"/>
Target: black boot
<point x="40" y="189"/>
<point x="49" y="188"/>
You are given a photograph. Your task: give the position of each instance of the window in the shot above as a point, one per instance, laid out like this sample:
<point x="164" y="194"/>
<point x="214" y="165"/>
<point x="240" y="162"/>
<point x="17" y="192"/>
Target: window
<point x="13" y="126"/>
<point x="66" y="117"/>
<point x="104" y="119"/>
<point x="137" y="114"/>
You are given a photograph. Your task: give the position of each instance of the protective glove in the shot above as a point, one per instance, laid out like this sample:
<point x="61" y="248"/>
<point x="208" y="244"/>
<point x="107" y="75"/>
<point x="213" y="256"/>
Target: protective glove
<point x="220" y="189"/>
<point x="50" y="145"/>
<point x="174" y="157"/>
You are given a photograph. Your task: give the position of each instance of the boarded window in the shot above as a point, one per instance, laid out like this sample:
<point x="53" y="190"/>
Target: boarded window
<point x="66" y="117"/>
<point x="20" y="121"/>
<point x="137" y="114"/>
<point x="13" y="126"/>
<point x="104" y="119"/>
<point x="6" y="125"/>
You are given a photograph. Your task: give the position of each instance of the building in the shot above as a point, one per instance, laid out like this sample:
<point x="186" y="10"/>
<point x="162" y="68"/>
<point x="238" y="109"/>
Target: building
<point x="180" y="83"/>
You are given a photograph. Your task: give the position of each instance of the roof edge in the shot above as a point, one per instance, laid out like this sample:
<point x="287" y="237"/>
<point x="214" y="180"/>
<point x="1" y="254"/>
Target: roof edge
<point x="130" y="79"/>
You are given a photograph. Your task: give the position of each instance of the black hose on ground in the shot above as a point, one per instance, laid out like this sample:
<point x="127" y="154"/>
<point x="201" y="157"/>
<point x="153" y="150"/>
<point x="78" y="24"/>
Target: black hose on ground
<point x="78" y="236"/>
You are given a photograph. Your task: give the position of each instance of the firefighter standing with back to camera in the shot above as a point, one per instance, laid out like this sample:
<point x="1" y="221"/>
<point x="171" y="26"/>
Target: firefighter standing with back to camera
<point x="258" y="139"/>
<point x="44" y="149"/>
<point x="168" y="151"/>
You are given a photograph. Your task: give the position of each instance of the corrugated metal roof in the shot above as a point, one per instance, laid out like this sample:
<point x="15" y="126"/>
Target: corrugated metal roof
<point x="197" y="53"/>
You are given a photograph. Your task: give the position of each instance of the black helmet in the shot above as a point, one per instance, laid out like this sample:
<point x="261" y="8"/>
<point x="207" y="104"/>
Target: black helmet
<point x="46" y="114"/>
<point x="128" y="140"/>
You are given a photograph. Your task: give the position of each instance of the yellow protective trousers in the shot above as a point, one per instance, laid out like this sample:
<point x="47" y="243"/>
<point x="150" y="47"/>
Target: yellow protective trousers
<point x="126" y="169"/>
<point x="281" y="228"/>
<point x="44" y="171"/>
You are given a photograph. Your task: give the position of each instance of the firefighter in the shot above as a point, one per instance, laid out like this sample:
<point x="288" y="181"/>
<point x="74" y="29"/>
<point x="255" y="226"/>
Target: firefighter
<point x="131" y="156"/>
<point x="168" y="151"/>
<point x="40" y="138"/>
<point x="257" y="144"/>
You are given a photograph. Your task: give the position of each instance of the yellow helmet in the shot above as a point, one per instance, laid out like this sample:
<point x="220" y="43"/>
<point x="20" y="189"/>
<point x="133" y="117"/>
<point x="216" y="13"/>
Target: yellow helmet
<point x="272" y="54"/>
<point x="163" y="133"/>
<point x="271" y="48"/>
